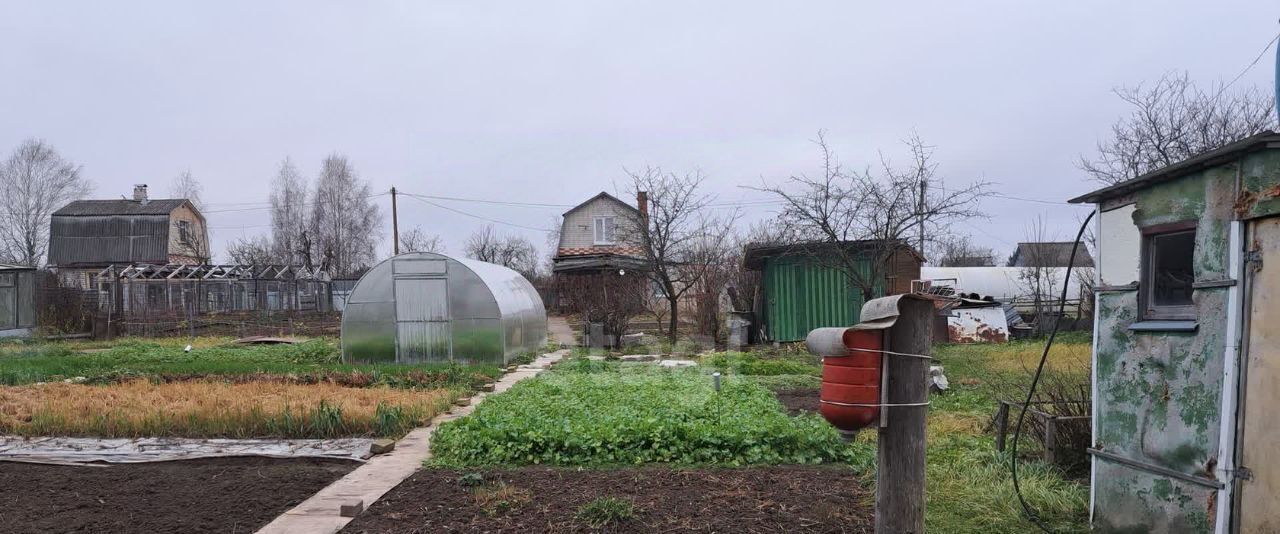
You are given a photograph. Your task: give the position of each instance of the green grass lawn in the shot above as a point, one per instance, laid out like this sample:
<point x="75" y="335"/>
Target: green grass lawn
<point x="313" y="360"/>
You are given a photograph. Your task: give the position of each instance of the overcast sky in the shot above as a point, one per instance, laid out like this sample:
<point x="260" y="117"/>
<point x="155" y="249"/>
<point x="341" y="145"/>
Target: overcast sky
<point x="548" y="102"/>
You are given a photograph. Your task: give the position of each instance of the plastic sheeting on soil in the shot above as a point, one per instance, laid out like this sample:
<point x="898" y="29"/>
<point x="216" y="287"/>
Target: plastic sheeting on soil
<point x="77" y="451"/>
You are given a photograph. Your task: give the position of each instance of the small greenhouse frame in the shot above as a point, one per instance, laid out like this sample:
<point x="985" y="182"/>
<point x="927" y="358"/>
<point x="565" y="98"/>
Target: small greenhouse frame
<point x="425" y="307"/>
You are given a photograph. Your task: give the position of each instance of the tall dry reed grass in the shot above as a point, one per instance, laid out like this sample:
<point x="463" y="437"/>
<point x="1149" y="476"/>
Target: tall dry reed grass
<point x="216" y="409"/>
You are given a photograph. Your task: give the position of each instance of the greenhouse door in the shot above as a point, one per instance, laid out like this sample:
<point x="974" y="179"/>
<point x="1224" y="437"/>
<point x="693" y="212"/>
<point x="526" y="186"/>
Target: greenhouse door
<point x="422" y="320"/>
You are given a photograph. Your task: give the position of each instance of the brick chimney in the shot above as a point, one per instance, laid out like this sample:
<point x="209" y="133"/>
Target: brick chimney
<point x="140" y="193"/>
<point x="642" y="203"/>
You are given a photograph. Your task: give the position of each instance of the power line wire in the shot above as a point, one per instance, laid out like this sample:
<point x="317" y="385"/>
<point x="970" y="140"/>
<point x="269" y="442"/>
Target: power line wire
<point x="303" y="203"/>
<point x="481" y="217"/>
<point x="1248" y="68"/>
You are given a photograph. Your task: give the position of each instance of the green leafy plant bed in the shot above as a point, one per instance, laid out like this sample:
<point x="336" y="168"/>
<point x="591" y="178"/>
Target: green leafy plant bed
<point x="605" y="413"/>
<point x="745" y="363"/>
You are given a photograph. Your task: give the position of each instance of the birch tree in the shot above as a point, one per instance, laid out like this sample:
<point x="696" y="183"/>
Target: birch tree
<point x="290" y="217"/>
<point x="345" y="223"/>
<point x="186" y="186"/>
<point x="35" y="182"/>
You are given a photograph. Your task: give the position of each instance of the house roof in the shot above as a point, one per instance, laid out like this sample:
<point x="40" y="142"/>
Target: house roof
<point x="599" y="196"/>
<point x="1049" y="254"/>
<point x="12" y="267"/>
<point x="88" y="208"/>
<point x="755" y="254"/>
<point x="1266" y="139"/>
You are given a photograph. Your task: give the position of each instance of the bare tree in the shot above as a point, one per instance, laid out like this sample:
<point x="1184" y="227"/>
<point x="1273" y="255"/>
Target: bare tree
<point x="857" y="221"/>
<point x="416" y="240"/>
<point x="711" y="292"/>
<point x="959" y="251"/>
<point x="290" y="216"/>
<point x="678" y="236"/>
<point x="511" y="251"/>
<point x="1172" y="120"/>
<point x="744" y="285"/>
<point x="345" y="223"/>
<point x="35" y="182"/>
<point x="256" y="250"/>
<point x="607" y="298"/>
<point x="1040" y="276"/>
<point x="185" y="185"/>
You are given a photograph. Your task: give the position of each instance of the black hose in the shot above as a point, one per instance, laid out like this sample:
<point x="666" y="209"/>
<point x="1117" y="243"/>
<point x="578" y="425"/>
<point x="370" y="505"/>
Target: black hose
<point x="1035" y="379"/>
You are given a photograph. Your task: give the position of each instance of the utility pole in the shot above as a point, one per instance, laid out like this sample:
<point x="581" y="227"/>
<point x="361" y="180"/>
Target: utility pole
<point x="395" y="224"/>
<point x="924" y="185"/>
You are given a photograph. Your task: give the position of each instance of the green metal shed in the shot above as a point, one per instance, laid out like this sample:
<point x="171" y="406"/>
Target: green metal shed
<point x="801" y="291"/>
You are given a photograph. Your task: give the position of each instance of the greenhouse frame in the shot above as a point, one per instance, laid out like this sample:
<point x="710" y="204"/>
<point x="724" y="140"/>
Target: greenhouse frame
<point x="426" y="307"/>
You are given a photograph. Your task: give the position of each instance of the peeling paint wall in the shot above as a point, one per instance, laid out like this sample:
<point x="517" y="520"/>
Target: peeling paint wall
<point x="1159" y="393"/>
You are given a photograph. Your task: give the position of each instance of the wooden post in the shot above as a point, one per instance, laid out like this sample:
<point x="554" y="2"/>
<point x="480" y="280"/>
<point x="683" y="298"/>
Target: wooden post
<point x="1002" y="425"/>
<point x="1050" y="440"/>
<point x="900" y="476"/>
<point x="395" y="225"/>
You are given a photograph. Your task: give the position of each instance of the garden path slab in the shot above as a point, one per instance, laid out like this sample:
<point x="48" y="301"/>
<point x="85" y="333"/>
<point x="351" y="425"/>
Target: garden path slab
<point x="321" y="513"/>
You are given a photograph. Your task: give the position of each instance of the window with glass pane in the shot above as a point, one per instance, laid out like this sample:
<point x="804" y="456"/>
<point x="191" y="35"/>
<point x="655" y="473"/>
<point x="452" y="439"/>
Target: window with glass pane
<point x="604" y="231"/>
<point x="1169" y="276"/>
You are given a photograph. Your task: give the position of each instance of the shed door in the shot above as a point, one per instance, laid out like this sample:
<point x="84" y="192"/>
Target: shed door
<point x="8" y="300"/>
<point x="422" y="320"/>
<point x="1260" y="438"/>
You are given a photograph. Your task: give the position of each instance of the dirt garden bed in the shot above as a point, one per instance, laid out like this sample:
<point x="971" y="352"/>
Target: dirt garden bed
<point x="797" y="401"/>
<point x="646" y="499"/>
<point x="222" y="495"/>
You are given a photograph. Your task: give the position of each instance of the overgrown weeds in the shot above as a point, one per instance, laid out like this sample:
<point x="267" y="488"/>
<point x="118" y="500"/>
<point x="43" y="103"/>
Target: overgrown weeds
<point x="500" y="498"/>
<point x="215" y="409"/>
<point x="605" y="511"/>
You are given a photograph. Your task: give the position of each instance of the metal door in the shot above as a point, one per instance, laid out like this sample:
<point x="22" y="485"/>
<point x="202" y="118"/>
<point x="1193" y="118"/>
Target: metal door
<point x="422" y="320"/>
<point x="1259" y="495"/>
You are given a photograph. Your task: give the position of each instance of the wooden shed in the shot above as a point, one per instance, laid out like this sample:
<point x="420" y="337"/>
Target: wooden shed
<point x="1186" y="357"/>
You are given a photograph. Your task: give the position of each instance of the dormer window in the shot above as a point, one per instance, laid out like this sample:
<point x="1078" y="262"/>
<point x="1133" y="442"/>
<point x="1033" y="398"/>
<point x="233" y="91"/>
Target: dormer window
<point x="605" y="230"/>
<point x="184" y="232"/>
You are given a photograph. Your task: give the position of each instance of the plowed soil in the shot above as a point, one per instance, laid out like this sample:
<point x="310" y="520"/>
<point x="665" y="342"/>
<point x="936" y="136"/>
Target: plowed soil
<point x="791" y="499"/>
<point x="798" y="401"/>
<point x="207" y="495"/>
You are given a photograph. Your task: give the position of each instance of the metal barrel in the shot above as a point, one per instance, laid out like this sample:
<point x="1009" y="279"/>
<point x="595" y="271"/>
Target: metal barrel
<point x="827" y="342"/>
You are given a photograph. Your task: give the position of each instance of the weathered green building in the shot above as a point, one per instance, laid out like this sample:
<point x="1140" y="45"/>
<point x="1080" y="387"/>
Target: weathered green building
<point x="801" y="291"/>
<point x="1186" y="368"/>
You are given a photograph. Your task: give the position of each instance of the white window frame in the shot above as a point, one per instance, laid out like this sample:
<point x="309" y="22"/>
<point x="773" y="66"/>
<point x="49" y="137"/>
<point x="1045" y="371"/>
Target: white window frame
<point x="604" y="230"/>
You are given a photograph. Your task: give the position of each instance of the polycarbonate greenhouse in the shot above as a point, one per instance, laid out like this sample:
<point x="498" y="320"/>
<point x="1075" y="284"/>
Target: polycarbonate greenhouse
<point x="428" y="307"/>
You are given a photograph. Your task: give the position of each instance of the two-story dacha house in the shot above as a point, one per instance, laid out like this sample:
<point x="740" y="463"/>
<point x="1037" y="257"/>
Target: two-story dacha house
<point x="86" y="236"/>
<point x="595" y="236"/>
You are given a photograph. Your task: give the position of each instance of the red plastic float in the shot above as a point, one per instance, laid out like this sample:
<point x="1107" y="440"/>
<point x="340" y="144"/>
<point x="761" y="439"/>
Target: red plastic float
<point x="851" y="382"/>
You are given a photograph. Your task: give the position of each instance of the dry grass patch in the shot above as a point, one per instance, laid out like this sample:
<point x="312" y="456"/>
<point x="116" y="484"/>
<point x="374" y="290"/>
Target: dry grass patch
<point x="216" y="409"/>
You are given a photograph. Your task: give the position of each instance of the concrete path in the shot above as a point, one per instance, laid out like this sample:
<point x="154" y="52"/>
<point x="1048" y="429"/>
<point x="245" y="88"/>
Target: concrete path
<point x="369" y="482"/>
<point x="560" y="332"/>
